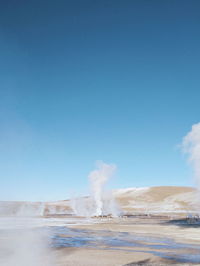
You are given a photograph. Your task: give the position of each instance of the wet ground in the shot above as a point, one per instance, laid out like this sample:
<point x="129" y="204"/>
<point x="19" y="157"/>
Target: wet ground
<point x="163" y="247"/>
<point x="175" y="241"/>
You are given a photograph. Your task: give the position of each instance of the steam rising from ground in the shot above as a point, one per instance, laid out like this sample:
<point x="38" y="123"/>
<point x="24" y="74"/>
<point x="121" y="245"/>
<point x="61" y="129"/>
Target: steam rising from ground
<point x="191" y="146"/>
<point x="23" y="246"/>
<point x="100" y="202"/>
<point x="22" y="243"/>
<point x="98" y="178"/>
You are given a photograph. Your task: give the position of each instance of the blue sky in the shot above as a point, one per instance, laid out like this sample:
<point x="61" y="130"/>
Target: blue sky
<point x="82" y="81"/>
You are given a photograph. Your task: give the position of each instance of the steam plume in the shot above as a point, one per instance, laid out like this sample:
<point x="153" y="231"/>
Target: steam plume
<point x="99" y="203"/>
<point x="191" y="145"/>
<point x="98" y="179"/>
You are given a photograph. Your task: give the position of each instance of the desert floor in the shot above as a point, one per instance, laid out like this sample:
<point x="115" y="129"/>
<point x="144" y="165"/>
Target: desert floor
<point x="134" y="240"/>
<point x="130" y="241"/>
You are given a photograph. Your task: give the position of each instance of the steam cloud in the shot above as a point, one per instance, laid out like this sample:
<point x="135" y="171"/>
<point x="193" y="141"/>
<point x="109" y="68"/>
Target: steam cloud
<point x="99" y="203"/>
<point x="98" y="179"/>
<point x="191" y="146"/>
<point x="24" y="247"/>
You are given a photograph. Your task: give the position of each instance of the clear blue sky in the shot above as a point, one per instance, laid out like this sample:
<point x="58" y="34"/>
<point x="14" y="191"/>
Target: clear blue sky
<point x="82" y="81"/>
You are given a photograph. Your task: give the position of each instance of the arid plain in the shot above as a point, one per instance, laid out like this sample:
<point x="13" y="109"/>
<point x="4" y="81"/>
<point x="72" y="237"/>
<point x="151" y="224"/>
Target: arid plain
<point x="157" y="226"/>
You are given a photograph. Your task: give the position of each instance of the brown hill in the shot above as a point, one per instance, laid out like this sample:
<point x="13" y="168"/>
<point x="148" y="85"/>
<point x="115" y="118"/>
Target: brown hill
<point x="162" y="199"/>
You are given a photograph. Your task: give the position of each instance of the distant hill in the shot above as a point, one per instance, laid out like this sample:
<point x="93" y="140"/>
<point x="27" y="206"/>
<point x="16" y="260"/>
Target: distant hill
<point x="163" y="199"/>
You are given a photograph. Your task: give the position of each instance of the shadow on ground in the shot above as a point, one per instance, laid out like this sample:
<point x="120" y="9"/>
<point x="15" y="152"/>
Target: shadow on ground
<point x="159" y="262"/>
<point x="186" y="222"/>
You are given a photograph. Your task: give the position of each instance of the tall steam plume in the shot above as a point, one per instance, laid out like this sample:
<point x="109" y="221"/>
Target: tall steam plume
<point x="98" y="179"/>
<point x="100" y="202"/>
<point x="191" y="145"/>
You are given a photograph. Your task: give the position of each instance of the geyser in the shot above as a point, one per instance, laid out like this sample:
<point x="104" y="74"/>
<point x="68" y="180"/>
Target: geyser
<point x="98" y="179"/>
<point x="100" y="202"/>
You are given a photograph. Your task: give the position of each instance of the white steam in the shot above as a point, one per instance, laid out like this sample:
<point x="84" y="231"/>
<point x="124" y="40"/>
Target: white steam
<point x="22" y="242"/>
<point x="98" y="179"/>
<point x="24" y="246"/>
<point x="191" y="146"/>
<point x="100" y="202"/>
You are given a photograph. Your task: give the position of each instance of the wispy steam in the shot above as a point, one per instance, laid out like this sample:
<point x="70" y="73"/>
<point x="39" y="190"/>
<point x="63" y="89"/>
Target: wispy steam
<point x="191" y="146"/>
<point x="100" y="202"/>
<point x="98" y="179"/>
<point x="21" y="244"/>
